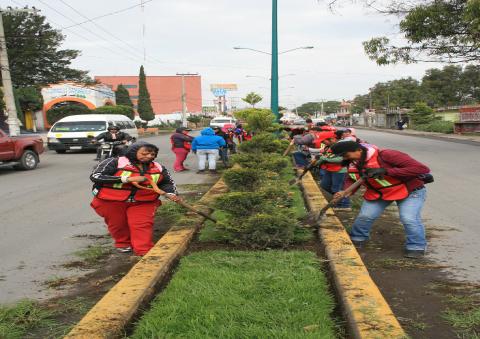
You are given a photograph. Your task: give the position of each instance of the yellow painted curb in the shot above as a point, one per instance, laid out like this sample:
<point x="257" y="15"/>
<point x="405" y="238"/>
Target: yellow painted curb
<point x="108" y="318"/>
<point x="367" y="313"/>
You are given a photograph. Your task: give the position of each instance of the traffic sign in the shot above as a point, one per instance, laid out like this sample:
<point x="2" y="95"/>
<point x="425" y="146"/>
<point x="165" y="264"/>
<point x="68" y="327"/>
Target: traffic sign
<point x="219" y="92"/>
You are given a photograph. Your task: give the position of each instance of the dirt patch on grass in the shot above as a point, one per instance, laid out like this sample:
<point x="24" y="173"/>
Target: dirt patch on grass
<point x="425" y="301"/>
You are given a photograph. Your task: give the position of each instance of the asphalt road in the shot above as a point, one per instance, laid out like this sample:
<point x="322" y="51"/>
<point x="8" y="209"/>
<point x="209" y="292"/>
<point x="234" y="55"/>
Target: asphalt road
<point x="45" y="212"/>
<point x="452" y="211"/>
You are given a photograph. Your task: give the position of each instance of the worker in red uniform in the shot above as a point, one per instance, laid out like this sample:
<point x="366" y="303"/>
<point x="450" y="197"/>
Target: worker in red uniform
<point x="181" y="146"/>
<point x="390" y="176"/>
<point x="129" y="211"/>
<point x="332" y="170"/>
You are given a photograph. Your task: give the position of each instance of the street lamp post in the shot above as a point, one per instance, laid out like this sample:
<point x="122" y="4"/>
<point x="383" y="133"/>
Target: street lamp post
<point x="274" y="75"/>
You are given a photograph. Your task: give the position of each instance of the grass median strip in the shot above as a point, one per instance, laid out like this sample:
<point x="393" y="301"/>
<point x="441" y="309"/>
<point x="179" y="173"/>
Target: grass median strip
<point x="239" y="294"/>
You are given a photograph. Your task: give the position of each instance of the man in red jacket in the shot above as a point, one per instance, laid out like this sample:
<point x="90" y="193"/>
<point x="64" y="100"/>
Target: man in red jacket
<point x="389" y="176"/>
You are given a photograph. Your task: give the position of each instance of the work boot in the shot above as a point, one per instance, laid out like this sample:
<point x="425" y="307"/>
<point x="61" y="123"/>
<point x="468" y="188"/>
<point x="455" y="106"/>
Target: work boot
<point x="414" y="254"/>
<point x="359" y="244"/>
<point x="213" y="172"/>
<point x="200" y="171"/>
<point x="124" y="249"/>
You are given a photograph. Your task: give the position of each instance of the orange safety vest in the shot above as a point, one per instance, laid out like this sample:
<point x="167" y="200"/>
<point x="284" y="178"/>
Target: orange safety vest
<point x="126" y="191"/>
<point x="388" y="188"/>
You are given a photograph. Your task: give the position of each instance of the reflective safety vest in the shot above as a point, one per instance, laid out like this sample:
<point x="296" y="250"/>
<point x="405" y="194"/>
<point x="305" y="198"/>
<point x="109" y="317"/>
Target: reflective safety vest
<point x="319" y="136"/>
<point x="126" y="191"/>
<point x="388" y="188"/>
<point x="330" y="166"/>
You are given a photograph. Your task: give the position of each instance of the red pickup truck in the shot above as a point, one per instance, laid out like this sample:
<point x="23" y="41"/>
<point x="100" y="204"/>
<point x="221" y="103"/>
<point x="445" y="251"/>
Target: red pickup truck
<point x="21" y="152"/>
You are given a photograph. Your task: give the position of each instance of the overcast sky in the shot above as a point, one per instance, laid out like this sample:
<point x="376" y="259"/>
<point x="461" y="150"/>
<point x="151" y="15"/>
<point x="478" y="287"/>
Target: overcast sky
<point x="199" y="36"/>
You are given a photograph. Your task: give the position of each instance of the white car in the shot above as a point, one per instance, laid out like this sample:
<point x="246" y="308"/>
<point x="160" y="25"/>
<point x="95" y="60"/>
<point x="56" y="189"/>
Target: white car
<point x="222" y="121"/>
<point x="76" y="132"/>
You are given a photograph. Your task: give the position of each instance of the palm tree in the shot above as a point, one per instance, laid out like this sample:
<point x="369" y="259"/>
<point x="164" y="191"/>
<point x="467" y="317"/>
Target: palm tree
<point x="252" y="98"/>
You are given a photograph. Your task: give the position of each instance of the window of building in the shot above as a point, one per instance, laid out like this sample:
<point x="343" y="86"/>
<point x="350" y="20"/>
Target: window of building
<point x="130" y="86"/>
<point x="134" y="97"/>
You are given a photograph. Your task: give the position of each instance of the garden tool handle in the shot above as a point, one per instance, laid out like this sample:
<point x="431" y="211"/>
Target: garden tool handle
<point x="289" y="148"/>
<point x="346" y="193"/>
<point x="157" y="190"/>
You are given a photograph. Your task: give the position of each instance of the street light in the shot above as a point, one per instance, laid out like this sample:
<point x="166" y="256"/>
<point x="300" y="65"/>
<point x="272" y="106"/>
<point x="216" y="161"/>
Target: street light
<point x="274" y="74"/>
<point x="263" y="52"/>
<point x="262" y="77"/>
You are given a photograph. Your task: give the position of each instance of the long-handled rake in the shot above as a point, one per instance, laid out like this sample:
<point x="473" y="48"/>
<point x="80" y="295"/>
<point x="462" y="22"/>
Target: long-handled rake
<point x="180" y="202"/>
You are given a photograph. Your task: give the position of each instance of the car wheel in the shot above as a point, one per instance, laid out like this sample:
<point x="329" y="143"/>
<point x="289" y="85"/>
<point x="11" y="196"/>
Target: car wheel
<point x="61" y="151"/>
<point x="28" y="161"/>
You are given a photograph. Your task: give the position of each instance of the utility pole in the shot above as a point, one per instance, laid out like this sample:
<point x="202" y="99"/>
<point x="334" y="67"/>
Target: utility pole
<point x="184" y="98"/>
<point x="12" y="121"/>
<point x="274" y="75"/>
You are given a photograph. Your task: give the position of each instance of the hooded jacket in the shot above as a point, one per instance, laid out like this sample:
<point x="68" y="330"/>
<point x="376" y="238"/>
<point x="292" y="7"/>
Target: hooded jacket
<point x="104" y="173"/>
<point x="208" y="140"/>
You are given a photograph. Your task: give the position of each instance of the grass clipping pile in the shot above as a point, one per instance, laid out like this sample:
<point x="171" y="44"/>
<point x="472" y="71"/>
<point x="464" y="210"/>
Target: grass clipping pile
<point x="260" y="211"/>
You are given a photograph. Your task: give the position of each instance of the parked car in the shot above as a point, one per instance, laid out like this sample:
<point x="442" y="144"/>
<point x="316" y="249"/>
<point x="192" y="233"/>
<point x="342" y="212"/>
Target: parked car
<point x="21" y="152"/>
<point x="221" y="121"/>
<point x="77" y="131"/>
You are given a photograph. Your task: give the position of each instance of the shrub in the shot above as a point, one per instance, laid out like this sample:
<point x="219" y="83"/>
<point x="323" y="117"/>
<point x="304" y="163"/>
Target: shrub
<point x="258" y="120"/>
<point x="266" y="198"/>
<point x="264" y="142"/>
<point x="262" y="230"/>
<point x="263" y="161"/>
<point x="119" y="109"/>
<point x="243" y="179"/>
<point x="57" y="113"/>
<point x="438" y="126"/>
<point x="240" y="204"/>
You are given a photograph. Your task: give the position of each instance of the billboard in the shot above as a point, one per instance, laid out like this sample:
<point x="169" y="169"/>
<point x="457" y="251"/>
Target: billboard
<point x="226" y="87"/>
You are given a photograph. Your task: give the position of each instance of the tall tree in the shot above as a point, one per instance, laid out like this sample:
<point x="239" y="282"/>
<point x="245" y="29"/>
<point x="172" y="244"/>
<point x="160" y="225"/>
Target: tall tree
<point x="470" y="83"/>
<point x="433" y="30"/>
<point x="253" y="98"/>
<point x="34" y="52"/>
<point x="145" y="109"/>
<point x="122" y="97"/>
<point x="443" y="87"/>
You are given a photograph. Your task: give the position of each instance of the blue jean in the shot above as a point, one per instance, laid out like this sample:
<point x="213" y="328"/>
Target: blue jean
<point x="332" y="182"/>
<point x="301" y="160"/>
<point x="410" y="210"/>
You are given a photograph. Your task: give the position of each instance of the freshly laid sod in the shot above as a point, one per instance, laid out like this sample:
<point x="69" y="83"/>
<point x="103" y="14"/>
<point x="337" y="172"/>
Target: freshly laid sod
<point x="238" y="294"/>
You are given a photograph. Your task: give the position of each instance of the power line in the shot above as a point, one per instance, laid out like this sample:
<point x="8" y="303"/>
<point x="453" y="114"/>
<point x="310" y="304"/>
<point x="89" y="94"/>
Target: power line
<point x="88" y="30"/>
<point x="109" y="14"/>
<point x="100" y="27"/>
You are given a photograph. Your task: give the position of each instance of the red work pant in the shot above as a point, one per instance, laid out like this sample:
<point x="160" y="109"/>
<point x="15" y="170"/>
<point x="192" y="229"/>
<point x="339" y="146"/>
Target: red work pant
<point x="129" y="223"/>
<point x="180" y="156"/>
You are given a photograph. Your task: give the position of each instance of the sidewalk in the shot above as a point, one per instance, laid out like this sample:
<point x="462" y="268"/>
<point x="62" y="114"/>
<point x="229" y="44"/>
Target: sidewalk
<point x="433" y="135"/>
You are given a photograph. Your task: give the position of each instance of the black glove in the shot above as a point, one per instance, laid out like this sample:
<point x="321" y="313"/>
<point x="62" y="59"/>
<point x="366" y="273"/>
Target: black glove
<point x="375" y="173"/>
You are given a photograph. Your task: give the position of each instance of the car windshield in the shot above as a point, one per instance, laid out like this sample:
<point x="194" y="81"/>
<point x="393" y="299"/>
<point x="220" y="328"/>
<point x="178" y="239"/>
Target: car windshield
<point x="221" y="121"/>
<point x="80" y="126"/>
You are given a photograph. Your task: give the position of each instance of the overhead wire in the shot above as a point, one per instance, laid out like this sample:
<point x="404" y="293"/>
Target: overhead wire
<point x="86" y="29"/>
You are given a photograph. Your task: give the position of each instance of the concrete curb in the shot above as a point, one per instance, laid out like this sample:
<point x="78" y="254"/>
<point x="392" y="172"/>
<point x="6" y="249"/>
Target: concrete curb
<point x="428" y="135"/>
<point x="108" y="318"/>
<point x="367" y="313"/>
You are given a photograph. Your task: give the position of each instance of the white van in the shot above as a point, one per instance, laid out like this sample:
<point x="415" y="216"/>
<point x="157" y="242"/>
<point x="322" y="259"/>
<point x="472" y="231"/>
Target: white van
<point x="222" y="121"/>
<point x="76" y="131"/>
